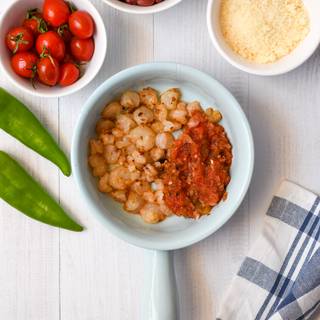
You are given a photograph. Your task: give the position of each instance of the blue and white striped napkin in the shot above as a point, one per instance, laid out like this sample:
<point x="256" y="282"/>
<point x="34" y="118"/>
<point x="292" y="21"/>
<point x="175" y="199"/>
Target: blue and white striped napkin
<point x="280" y="278"/>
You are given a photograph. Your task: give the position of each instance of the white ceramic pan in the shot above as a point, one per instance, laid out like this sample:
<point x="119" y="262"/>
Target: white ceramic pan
<point x="174" y="232"/>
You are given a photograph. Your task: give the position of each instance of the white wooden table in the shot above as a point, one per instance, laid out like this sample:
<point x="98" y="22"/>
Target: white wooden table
<point x="51" y="274"/>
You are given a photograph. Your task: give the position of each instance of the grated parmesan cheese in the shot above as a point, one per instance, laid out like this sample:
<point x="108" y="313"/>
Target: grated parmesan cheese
<point x="263" y="31"/>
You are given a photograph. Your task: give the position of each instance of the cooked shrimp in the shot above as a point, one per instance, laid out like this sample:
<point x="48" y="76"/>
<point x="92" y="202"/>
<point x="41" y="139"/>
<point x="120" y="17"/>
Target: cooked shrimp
<point x="157" y="127"/>
<point x="158" y="164"/>
<point x="148" y="157"/>
<point x="107" y="138"/>
<point x="170" y="98"/>
<point x="119" y="195"/>
<point x="214" y="116"/>
<point x="159" y="196"/>
<point x="131" y="148"/>
<point x="103" y="184"/>
<point x="130" y="100"/>
<point x="123" y="143"/>
<point x="179" y="116"/>
<point x="158" y="184"/>
<point x="112" y="110"/>
<point x="143" y="115"/>
<point x="104" y="126"/>
<point x="132" y="167"/>
<point x="111" y="154"/>
<point x="96" y="160"/>
<point x="161" y="112"/>
<point x="100" y="170"/>
<point x="125" y="123"/>
<point x="140" y="187"/>
<point x="165" y="210"/>
<point x="98" y="165"/>
<point x="149" y="97"/>
<point x="151" y="213"/>
<point x="149" y="196"/>
<point x="122" y="159"/>
<point x="138" y="158"/>
<point x="150" y="172"/>
<point x="171" y="126"/>
<point x="164" y="140"/>
<point x="134" y="202"/>
<point x="113" y="166"/>
<point x="117" y="133"/>
<point x="143" y="137"/>
<point x="157" y="154"/>
<point x="96" y="146"/>
<point x="120" y="177"/>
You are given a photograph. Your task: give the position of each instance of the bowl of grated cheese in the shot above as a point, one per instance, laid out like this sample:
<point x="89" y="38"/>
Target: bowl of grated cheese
<point x="264" y="37"/>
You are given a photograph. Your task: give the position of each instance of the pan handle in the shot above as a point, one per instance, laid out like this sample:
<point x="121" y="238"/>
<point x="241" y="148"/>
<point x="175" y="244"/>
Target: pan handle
<point x="163" y="294"/>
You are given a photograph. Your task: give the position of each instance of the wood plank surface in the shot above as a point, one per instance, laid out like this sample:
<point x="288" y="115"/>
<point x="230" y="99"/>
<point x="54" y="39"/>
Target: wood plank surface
<point x="50" y="274"/>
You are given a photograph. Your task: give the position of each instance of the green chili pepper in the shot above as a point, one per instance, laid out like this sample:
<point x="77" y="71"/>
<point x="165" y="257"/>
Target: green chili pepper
<point x="22" y="192"/>
<point x="18" y="121"/>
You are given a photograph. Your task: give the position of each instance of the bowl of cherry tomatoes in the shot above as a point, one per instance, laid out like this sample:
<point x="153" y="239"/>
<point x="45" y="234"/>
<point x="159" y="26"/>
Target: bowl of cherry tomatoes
<point x="142" y="6"/>
<point x="52" y="48"/>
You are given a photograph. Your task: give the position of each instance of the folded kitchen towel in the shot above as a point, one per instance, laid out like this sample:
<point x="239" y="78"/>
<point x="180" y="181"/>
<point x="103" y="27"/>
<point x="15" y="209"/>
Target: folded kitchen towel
<point x="280" y="278"/>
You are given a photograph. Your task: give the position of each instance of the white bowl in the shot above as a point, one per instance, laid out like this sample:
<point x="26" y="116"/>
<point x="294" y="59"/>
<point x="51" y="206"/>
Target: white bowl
<point x="287" y="63"/>
<point x="13" y="16"/>
<point x="122" y="6"/>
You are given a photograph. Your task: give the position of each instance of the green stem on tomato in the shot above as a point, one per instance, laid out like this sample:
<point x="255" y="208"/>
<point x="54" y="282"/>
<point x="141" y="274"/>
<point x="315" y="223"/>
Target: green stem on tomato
<point x="72" y="6"/>
<point x="31" y="13"/>
<point x="18" y="39"/>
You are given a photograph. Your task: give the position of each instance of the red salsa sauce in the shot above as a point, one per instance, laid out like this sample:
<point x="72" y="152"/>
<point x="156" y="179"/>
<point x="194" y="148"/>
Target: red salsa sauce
<point x="198" y="169"/>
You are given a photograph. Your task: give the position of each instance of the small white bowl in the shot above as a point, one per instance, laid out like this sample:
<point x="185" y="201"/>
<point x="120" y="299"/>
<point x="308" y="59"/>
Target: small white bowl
<point x="129" y="8"/>
<point x="13" y="16"/>
<point x="287" y="63"/>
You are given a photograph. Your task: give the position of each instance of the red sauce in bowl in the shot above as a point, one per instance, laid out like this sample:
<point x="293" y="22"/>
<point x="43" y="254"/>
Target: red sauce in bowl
<point x="198" y="170"/>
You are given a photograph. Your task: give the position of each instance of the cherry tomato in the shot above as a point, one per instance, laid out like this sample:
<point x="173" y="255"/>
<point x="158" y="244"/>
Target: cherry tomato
<point x="24" y="64"/>
<point x="51" y="43"/>
<point x="35" y="22"/>
<point x="81" y="24"/>
<point x="69" y="73"/>
<point x="145" y="2"/>
<point x="32" y="24"/>
<point x="55" y="12"/>
<point x="48" y="70"/>
<point x="82" y="49"/>
<point x="68" y="58"/>
<point x="19" y="39"/>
